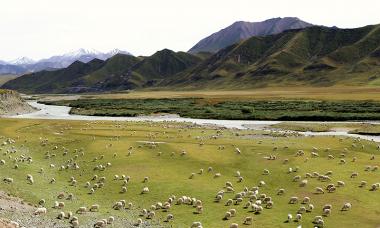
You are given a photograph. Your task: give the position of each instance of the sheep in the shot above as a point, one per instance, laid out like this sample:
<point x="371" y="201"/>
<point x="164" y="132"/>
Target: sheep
<point x="326" y="212"/>
<point x="319" y="190"/>
<point x="227" y="215"/>
<point x="196" y="225"/>
<point x="217" y="175"/>
<point x="94" y="207"/>
<point x="269" y="205"/>
<point x="151" y="215"/>
<point x="100" y="223"/>
<point x="81" y="210"/>
<point x="61" y="215"/>
<point x="281" y="191"/>
<point x="354" y="175"/>
<point x="123" y="189"/>
<point x="40" y="210"/>
<point x="293" y="200"/>
<point x="290" y="218"/>
<point x="248" y="220"/>
<point x="363" y="184"/>
<point x="374" y="187"/>
<point x="298" y="217"/>
<point x="75" y="223"/>
<point x="341" y="184"/>
<point x="306" y="200"/>
<point x="145" y="190"/>
<point x="303" y="183"/>
<point x="310" y="208"/>
<point x="234" y="225"/>
<point x="296" y="178"/>
<point x="346" y="207"/>
<point x="261" y="183"/>
<point x="169" y="217"/>
<point x="233" y="212"/>
<point x="110" y="220"/>
<point x="69" y="215"/>
<point x="301" y="210"/>
<point x="229" y="202"/>
<point x="146" y="179"/>
<point x="199" y="209"/>
<point x="266" y="172"/>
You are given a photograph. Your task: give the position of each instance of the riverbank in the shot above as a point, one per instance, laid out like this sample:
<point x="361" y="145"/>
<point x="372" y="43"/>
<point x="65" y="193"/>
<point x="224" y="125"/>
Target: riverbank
<point x="63" y="113"/>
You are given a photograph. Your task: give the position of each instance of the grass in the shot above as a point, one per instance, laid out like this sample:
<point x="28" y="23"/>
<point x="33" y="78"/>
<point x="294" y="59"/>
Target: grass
<point x="5" y="78"/>
<point x="228" y="109"/>
<point x="355" y="128"/>
<point x="170" y="174"/>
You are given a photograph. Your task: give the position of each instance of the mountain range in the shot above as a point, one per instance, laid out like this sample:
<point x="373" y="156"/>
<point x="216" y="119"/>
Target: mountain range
<point x="312" y="56"/>
<point x="242" y="30"/>
<point x="24" y="65"/>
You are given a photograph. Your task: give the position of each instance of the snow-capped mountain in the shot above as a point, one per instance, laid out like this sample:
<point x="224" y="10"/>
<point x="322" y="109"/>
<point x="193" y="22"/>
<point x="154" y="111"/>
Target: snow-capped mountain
<point x="22" y="61"/>
<point x="25" y="64"/>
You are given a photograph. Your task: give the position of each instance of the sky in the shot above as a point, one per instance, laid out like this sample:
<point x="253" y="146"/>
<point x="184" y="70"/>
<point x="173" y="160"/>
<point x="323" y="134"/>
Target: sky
<point x="42" y="28"/>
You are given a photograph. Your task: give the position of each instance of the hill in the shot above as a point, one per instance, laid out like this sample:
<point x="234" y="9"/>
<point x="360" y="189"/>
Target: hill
<point x="313" y="56"/>
<point x="242" y="30"/>
<point x="119" y="72"/>
<point x="11" y="103"/>
<point x="316" y="56"/>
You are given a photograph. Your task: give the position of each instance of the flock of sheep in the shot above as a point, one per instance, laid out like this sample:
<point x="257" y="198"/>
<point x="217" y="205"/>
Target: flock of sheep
<point x="254" y="199"/>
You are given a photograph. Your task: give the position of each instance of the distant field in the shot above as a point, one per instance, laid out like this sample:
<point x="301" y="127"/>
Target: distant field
<point x="5" y="78"/>
<point x="228" y="109"/>
<point x="313" y="93"/>
<point x="46" y="141"/>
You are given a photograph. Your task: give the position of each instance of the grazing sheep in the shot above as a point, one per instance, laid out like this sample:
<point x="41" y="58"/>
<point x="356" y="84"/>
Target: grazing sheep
<point x="233" y="212"/>
<point x="298" y="217"/>
<point x="363" y="184"/>
<point x="310" y="208"/>
<point x="151" y="215"/>
<point x="169" y="217"/>
<point x="234" y="225"/>
<point x="301" y="210"/>
<point x="145" y="190"/>
<point x="326" y="212"/>
<point x="293" y="200"/>
<point x="81" y="210"/>
<point x="196" y="225"/>
<point x="346" y="207"/>
<point x="319" y="190"/>
<point x="248" y="220"/>
<point x="229" y="202"/>
<point x="341" y="184"/>
<point x="123" y="189"/>
<point x="217" y="175"/>
<point x="94" y="207"/>
<point x="110" y="220"/>
<point x="290" y="218"/>
<point x="306" y="200"/>
<point x="61" y="215"/>
<point x="227" y="215"/>
<point x="266" y="172"/>
<point x="354" y="175"/>
<point x="40" y="210"/>
<point x="303" y="183"/>
<point x="281" y="191"/>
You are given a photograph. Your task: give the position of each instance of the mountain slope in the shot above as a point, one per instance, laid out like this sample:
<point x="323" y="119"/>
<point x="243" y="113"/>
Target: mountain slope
<point x="243" y="30"/>
<point x="120" y="72"/>
<point x="24" y="65"/>
<point x="313" y="56"/>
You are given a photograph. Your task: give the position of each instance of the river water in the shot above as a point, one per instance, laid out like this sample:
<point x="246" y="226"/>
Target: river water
<point x="62" y="113"/>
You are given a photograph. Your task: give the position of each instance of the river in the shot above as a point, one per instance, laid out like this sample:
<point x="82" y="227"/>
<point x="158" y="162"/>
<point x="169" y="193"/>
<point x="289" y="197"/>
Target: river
<point x="63" y="113"/>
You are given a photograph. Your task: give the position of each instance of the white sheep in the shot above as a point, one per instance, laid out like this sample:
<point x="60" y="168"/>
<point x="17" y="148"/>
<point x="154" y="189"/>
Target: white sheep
<point x="81" y="210"/>
<point x="40" y="210"/>
<point x="248" y="220"/>
<point x="346" y="207"/>
<point x="145" y="190"/>
<point x="94" y="207"/>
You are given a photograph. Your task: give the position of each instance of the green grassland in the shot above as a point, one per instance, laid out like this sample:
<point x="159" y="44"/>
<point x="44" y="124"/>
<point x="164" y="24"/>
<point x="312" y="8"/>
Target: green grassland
<point x="170" y="174"/>
<point x="229" y="109"/>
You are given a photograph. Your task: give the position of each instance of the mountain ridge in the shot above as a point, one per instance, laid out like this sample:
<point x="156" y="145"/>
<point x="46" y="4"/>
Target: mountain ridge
<point x="242" y="30"/>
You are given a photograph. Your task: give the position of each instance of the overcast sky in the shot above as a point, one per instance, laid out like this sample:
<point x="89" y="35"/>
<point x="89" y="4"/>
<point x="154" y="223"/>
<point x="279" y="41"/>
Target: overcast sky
<point x="41" y="28"/>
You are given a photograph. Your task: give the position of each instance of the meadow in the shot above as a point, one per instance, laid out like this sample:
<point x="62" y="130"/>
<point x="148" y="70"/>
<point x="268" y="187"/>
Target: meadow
<point x="179" y="152"/>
